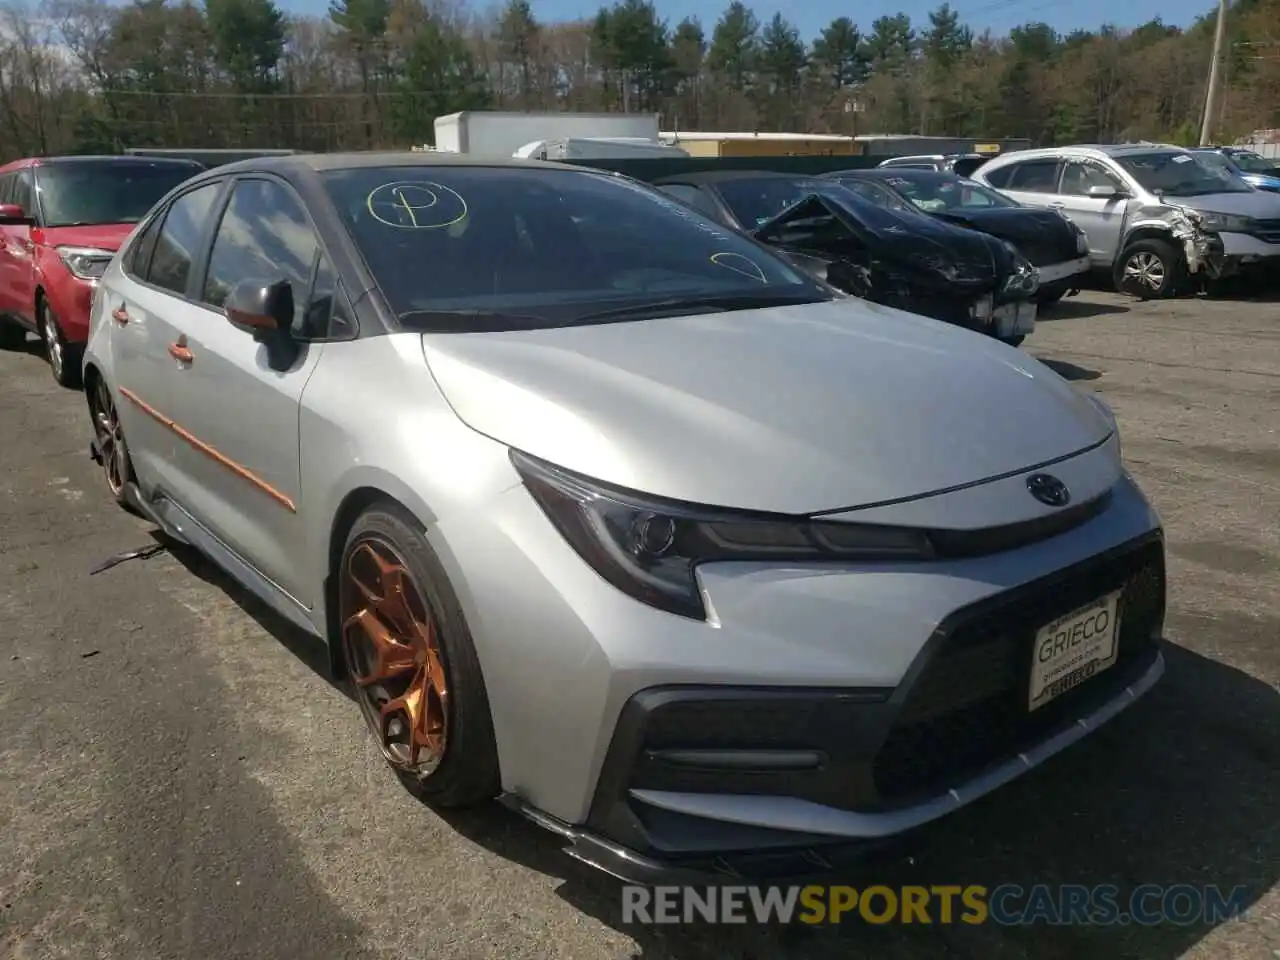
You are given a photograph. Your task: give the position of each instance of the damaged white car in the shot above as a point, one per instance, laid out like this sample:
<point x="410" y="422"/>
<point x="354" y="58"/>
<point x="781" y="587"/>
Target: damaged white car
<point x="1155" y="217"/>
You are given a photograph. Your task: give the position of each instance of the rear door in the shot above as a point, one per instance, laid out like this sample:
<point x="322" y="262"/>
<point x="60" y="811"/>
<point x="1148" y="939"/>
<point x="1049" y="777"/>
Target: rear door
<point x="148" y="307"/>
<point x="1101" y="218"/>
<point x="241" y="470"/>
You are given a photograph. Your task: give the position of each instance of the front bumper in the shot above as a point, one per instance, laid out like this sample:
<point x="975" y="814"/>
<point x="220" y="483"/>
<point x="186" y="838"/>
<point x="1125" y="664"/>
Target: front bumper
<point x="782" y="782"/>
<point x="1249" y="248"/>
<point x="1016" y="318"/>
<point x="1053" y="272"/>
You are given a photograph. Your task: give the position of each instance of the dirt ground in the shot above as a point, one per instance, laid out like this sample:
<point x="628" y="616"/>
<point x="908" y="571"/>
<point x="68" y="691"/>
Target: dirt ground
<point x="178" y="779"/>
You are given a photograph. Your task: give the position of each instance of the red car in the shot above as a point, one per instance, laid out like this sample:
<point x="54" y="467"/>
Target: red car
<point x="61" y="221"/>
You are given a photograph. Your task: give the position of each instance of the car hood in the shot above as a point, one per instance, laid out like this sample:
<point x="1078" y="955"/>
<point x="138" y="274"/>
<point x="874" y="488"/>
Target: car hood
<point x="1040" y="235"/>
<point x="790" y="409"/>
<point x="1252" y="204"/>
<point x="104" y="236"/>
<point x="935" y="252"/>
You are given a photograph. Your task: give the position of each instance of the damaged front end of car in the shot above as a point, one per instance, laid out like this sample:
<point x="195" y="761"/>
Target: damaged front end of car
<point x="1196" y="233"/>
<point x="908" y="261"/>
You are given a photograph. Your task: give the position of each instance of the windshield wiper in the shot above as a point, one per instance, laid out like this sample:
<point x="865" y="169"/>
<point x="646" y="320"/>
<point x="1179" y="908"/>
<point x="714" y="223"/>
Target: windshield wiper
<point x="719" y="303"/>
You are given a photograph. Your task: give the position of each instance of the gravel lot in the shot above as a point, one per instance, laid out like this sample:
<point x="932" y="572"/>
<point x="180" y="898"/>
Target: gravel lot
<point x="178" y="779"/>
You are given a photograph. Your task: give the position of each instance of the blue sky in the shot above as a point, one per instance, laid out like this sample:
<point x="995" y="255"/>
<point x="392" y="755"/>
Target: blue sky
<point x="812" y="15"/>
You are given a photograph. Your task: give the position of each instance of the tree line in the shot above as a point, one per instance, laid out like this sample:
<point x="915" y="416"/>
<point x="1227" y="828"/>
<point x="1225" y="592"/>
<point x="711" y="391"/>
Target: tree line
<point x="80" y="76"/>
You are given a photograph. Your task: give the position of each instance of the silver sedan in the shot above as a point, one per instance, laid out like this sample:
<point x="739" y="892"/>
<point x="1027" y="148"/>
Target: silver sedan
<point x="608" y="511"/>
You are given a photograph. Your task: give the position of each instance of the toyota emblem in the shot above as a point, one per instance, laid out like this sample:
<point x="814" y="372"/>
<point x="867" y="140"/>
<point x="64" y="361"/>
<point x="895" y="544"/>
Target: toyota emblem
<point x="1049" y="490"/>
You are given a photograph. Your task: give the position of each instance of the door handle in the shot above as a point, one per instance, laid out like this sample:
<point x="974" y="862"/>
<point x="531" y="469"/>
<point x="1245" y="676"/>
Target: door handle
<point x="120" y="315"/>
<point x="180" y="352"/>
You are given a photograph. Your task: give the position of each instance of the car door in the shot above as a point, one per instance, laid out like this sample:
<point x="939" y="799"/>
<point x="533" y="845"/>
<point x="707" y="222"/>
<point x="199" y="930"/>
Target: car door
<point x="1101" y="218"/>
<point x="15" y="252"/>
<point x="241" y="408"/>
<point x="147" y="307"/>
<point x="1033" y="182"/>
<point x="23" y="278"/>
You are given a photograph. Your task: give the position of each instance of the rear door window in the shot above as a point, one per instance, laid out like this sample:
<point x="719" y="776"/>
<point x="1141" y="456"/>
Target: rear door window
<point x="1035" y="176"/>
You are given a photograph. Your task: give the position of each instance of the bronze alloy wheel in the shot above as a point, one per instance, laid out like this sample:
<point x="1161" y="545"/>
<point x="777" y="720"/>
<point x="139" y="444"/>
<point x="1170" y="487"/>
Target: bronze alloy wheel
<point x="392" y="648"/>
<point x="106" y="427"/>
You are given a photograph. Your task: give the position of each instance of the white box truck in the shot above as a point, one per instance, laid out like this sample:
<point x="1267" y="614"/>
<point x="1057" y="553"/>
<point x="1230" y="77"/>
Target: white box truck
<point x="496" y="134"/>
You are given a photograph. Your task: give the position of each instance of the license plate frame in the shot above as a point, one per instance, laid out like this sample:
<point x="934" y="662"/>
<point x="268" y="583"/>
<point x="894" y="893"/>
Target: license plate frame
<point x="1073" y="648"/>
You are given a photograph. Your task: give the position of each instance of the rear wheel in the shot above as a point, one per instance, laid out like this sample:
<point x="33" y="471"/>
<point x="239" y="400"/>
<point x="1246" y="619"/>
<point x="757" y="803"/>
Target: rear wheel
<point x="1150" y="269"/>
<point x="64" y="359"/>
<point x="411" y="661"/>
<point x="117" y="468"/>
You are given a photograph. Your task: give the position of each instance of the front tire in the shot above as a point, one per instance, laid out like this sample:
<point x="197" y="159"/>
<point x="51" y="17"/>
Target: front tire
<point x="1150" y="269"/>
<point x="411" y="661"/>
<point x="64" y="359"/>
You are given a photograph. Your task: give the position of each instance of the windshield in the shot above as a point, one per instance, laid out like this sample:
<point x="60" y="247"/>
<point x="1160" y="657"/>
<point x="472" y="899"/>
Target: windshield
<point x="1255" y="163"/>
<point x="756" y="202"/>
<point x="84" y="194"/>
<point x="1218" y="163"/>
<point x="1180" y="175"/>
<point x="476" y="248"/>
<point x="940" y="193"/>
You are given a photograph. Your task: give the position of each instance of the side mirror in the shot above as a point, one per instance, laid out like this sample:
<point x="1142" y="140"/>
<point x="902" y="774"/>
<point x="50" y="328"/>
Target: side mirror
<point x="266" y="311"/>
<point x="1103" y="192"/>
<point x="261" y="309"/>
<point x="12" y="215"/>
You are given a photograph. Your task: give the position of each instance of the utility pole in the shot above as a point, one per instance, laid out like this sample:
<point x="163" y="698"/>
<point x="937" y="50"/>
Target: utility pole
<point x="1211" y="94"/>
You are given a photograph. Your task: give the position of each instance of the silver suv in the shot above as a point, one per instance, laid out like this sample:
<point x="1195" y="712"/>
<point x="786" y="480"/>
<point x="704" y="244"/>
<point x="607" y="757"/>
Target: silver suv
<point x="1154" y="215"/>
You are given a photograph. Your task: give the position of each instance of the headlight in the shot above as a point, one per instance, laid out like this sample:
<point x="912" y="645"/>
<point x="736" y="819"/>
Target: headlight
<point x="649" y="548"/>
<point x="1024" y="281"/>
<point x="1222" y="222"/>
<point x="87" y="263"/>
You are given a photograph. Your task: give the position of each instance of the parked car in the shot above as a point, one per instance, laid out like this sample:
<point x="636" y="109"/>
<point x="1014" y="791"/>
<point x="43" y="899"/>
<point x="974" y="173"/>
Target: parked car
<point x="1253" y="169"/>
<point x="900" y="258"/>
<point x="611" y="510"/>
<point x="1054" y="245"/>
<point x="1154" y="216"/>
<point x="962" y="164"/>
<point x="61" y="221"/>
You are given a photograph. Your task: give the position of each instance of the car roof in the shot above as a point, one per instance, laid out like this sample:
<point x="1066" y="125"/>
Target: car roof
<point x="1084" y="150"/>
<point x="723" y="176"/>
<point x="322" y="162"/>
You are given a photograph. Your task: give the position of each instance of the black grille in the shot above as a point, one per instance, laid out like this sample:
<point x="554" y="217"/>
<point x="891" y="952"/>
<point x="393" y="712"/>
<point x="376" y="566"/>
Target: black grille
<point x="966" y="709"/>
